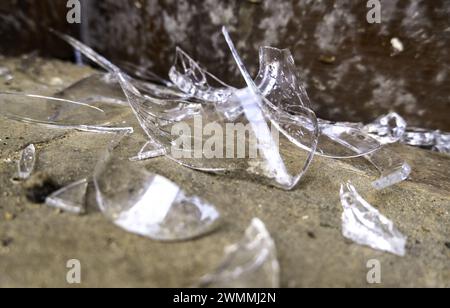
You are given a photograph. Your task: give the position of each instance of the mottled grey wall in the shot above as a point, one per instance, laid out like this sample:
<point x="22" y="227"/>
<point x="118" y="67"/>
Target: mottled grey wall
<point x="365" y="79"/>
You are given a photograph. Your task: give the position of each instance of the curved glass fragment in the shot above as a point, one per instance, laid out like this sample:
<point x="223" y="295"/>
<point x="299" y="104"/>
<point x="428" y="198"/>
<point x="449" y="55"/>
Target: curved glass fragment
<point x="197" y="135"/>
<point x="27" y="162"/>
<point x="148" y="204"/>
<point x="192" y="79"/>
<point x="277" y="79"/>
<point x="144" y="106"/>
<point x="71" y="198"/>
<point x="393" y="168"/>
<point x="365" y="225"/>
<point x="58" y="113"/>
<point x="251" y="263"/>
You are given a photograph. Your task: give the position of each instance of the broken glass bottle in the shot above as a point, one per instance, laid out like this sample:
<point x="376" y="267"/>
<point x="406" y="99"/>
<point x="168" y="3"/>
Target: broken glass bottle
<point x="251" y="263"/>
<point x="165" y="120"/>
<point x="365" y="225"/>
<point x="27" y="162"/>
<point x="148" y="204"/>
<point x="71" y="199"/>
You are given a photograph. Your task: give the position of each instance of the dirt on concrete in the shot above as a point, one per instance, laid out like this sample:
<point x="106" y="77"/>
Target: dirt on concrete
<point x="36" y="241"/>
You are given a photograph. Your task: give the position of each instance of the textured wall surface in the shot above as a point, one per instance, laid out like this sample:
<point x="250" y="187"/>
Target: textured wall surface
<point x="365" y="79"/>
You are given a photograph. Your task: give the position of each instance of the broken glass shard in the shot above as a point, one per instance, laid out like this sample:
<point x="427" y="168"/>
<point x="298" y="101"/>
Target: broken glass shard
<point x="57" y="113"/>
<point x="442" y="143"/>
<point x="279" y="83"/>
<point x="96" y="88"/>
<point x="365" y="225"/>
<point x="71" y="198"/>
<point x="182" y="130"/>
<point x="393" y="168"/>
<point x="277" y="79"/>
<point x="148" y="204"/>
<point x="27" y="162"/>
<point x="148" y="151"/>
<point x="387" y="129"/>
<point x="419" y="137"/>
<point x="192" y="79"/>
<point x="251" y="263"/>
<point x="6" y="74"/>
<point x="429" y="139"/>
<point x="340" y="140"/>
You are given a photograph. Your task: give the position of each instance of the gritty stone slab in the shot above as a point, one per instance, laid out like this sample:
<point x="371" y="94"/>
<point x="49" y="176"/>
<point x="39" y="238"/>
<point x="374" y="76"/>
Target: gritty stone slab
<point x="36" y="241"/>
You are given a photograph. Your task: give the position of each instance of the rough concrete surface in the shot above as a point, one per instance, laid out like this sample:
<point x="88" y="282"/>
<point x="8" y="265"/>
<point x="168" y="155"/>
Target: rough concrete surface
<point x="36" y="241"/>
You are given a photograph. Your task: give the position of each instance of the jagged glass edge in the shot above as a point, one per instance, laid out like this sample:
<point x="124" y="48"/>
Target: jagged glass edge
<point x="395" y="245"/>
<point x="67" y="205"/>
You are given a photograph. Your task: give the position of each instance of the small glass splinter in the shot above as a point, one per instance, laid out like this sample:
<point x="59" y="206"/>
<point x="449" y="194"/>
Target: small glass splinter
<point x="251" y="263"/>
<point x="71" y="198"/>
<point x="364" y="224"/>
<point x="27" y="162"/>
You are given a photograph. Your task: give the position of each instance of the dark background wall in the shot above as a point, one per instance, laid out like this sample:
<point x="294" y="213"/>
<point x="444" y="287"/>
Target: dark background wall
<point x="365" y="78"/>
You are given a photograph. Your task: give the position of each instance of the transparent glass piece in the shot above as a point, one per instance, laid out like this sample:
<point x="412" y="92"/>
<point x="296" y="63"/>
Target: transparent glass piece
<point x="340" y="140"/>
<point x="96" y="88"/>
<point x="279" y="83"/>
<point x="277" y="80"/>
<point x="419" y="137"/>
<point x="387" y="129"/>
<point x="71" y="199"/>
<point x="148" y="151"/>
<point x="6" y="74"/>
<point x="27" y="162"/>
<point x="145" y="106"/>
<point x="57" y="113"/>
<point x="365" y="225"/>
<point x="393" y="168"/>
<point x="192" y="79"/>
<point x="442" y="143"/>
<point x="282" y="166"/>
<point x="148" y="204"/>
<point x="251" y="263"/>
